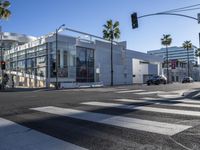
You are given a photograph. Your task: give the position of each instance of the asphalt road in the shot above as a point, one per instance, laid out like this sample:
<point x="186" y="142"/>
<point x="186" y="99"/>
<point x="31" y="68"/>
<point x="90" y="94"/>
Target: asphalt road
<point x="110" y="118"/>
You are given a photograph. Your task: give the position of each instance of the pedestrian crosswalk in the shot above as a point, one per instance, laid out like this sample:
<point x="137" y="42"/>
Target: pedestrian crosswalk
<point x="131" y="123"/>
<point x="145" y="108"/>
<point x="119" y="114"/>
<point x="165" y="103"/>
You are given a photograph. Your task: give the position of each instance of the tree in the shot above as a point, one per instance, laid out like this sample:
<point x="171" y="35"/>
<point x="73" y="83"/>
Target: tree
<point x="166" y="41"/>
<point x="187" y="45"/>
<point x="197" y="52"/>
<point x="4" y="12"/>
<point x="111" y="31"/>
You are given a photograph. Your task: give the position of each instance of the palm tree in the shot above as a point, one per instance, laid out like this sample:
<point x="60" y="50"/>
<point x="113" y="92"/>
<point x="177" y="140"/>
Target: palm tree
<point x="197" y="52"/>
<point x="166" y="41"/>
<point x="187" y="45"/>
<point x="4" y="12"/>
<point x="111" y="31"/>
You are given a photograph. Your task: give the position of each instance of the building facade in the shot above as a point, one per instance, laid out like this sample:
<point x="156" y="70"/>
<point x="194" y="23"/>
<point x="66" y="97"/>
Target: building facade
<point x="176" y="53"/>
<point x="80" y="62"/>
<point x="178" y="63"/>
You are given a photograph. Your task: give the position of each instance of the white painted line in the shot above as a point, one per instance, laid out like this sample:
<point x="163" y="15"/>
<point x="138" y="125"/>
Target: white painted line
<point x="152" y="92"/>
<point x="189" y="101"/>
<point x="126" y="122"/>
<point x="169" y="96"/>
<point x="145" y="108"/>
<point x="129" y="91"/>
<point x="176" y="103"/>
<point x="16" y="137"/>
<point x="181" y="100"/>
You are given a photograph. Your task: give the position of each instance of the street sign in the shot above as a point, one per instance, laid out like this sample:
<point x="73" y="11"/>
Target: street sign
<point x="173" y="64"/>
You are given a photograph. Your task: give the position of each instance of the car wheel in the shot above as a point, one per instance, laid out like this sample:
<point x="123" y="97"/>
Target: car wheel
<point x="157" y="83"/>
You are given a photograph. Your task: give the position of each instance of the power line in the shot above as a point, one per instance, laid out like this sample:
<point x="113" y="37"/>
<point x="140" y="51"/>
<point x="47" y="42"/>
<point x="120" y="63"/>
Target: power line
<point x="181" y="8"/>
<point x="186" y="9"/>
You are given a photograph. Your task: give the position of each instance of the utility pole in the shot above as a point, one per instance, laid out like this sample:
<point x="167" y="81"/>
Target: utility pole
<point x="57" y="30"/>
<point x="2" y="73"/>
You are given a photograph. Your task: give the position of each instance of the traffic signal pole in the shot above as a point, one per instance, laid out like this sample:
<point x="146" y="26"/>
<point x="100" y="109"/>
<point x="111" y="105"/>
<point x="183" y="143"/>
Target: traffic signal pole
<point x="2" y="86"/>
<point x="134" y="17"/>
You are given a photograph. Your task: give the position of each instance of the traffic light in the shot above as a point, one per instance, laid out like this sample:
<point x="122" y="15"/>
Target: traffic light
<point x="198" y="18"/>
<point x="134" y="20"/>
<point x="3" y="65"/>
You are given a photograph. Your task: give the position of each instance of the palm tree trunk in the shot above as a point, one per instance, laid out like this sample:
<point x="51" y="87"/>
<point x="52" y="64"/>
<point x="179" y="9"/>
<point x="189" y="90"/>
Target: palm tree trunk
<point x="188" y="62"/>
<point x="167" y="64"/>
<point x="111" y="58"/>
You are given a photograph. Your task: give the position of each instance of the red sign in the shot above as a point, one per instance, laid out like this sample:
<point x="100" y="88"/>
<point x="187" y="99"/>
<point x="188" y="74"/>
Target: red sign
<point x="173" y="64"/>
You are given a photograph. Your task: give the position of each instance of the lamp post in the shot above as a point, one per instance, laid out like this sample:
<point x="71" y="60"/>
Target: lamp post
<point x="57" y="30"/>
<point x="2" y="86"/>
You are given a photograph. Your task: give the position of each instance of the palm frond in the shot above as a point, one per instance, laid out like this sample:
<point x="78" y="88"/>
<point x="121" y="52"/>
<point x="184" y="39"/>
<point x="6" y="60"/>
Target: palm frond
<point x="197" y="52"/>
<point x="6" y="4"/>
<point x="116" y="25"/>
<point x="166" y="40"/>
<point x="4" y="12"/>
<point x="187" y="45"/>
<point x="111" y="31"/>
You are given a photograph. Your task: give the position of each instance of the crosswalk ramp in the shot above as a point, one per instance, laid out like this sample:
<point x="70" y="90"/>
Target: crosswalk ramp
<point x="16" y="137"/>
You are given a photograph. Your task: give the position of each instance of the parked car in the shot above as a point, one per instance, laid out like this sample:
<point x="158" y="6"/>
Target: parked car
<point x="187" y="80"/>
<point x="158" y="79"/>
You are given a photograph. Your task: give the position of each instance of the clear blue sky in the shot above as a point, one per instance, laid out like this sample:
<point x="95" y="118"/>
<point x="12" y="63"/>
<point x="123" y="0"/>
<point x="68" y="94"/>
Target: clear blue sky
<point x="38" y="17"/>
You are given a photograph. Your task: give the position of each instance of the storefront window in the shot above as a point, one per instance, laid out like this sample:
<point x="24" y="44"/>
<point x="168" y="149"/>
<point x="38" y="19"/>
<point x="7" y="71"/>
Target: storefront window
<point x="85" y="65"/>
<point x="41" y="72"/>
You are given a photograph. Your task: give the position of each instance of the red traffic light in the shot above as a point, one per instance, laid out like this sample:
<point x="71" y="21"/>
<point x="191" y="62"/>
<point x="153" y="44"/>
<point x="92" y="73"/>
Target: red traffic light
<point x="3" y="65"/>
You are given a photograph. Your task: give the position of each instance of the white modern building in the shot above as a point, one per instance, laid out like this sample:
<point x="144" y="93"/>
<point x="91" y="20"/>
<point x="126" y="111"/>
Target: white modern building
<point x="178" y="63"/>
<point x="176" y="53"/>
<point x="81" y="61"/>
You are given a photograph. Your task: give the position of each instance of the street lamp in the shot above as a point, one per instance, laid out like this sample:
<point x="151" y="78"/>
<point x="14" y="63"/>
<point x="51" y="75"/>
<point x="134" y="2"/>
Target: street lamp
<point x="57" y="30"/>
<point x="2" y="73"/>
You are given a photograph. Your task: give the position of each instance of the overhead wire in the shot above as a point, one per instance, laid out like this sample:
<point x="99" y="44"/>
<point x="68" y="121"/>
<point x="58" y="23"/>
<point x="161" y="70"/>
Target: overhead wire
<point x="187" y="8"/>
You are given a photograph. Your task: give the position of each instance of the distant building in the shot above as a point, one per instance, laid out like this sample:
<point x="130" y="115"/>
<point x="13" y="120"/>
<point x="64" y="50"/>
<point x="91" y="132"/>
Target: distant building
<point x="176" y="53"/>
<point x="178" y="60"/>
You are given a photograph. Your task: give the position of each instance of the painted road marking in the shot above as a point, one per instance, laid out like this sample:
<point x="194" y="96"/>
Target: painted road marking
<point x="129" y="91"/>
<point x="126" y="122"/>
<point x="152" y="92"/>
<point x="176" y="103"/>
<point x="145" y="108"/>
<point x="16" y="137"/>
<point x="181" y="100"/>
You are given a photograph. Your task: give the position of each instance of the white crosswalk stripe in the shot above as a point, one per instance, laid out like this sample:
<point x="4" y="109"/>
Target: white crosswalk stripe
<point x="129" y="91"/>
<point x="178" y="100"/>
<point x="145" y="108"/>
<point x="16" y="137"/>
<point x="176" y="103"/>
<point x="126" y="122"/>
<point x="150" y="92"/>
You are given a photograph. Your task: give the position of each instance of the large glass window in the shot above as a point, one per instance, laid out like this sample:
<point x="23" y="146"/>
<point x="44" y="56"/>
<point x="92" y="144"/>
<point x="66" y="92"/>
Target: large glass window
<point x="85" y="65"/>
<point x="21" y="66"/>
<point x="41" y="61"/>
<point x="30" y="63"/>
<point x="41" y="72"/>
